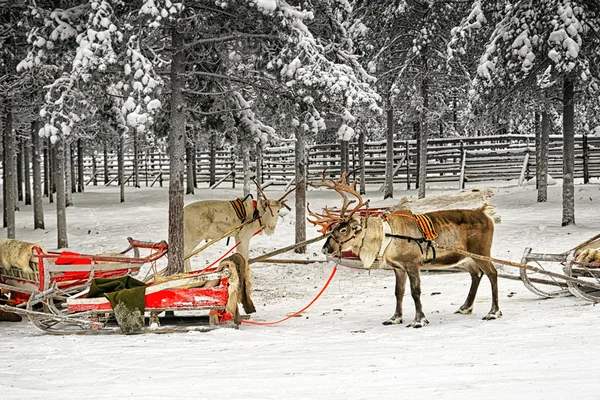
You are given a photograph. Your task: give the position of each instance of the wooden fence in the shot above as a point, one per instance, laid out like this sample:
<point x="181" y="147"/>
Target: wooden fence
<point x="457" y="160"/>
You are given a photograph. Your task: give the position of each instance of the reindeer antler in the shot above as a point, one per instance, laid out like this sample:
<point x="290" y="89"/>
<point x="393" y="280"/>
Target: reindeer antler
<point x="323" y="220"/>
<point x="287" y="193"/>
<point x="341" y="187"/>
<point x="262" y="193"/>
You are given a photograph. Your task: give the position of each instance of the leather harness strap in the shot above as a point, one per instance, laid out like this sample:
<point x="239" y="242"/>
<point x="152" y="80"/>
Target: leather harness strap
<point x="239" y="208"/>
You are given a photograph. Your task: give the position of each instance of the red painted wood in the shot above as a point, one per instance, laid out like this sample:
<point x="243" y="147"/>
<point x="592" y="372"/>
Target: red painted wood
<point x="194" y="298"/>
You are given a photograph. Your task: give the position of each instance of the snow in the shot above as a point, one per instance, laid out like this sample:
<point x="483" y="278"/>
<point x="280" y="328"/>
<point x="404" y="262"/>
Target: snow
<point x="338" y="348"/>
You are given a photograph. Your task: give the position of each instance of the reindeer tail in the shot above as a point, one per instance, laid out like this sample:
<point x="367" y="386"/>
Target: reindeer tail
<point x="488" y="209"/>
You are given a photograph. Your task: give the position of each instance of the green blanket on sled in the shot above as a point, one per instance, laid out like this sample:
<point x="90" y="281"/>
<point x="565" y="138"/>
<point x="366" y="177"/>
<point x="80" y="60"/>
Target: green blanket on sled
<point x="127" y="299"/>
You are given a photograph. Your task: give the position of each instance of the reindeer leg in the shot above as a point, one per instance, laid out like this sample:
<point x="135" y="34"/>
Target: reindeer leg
<point x="489" y="269"/>
<point x="467" y="307"/>
<point x="415" y="291"/>
<point x="188" y="246"/>
<point x="399" y="291"/>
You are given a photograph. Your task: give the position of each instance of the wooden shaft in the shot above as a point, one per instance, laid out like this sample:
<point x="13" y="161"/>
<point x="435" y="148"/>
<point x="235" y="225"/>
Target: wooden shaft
<point x="518" y="265"/>
<point x="285" y="249"/>
<point x="226" y="234"/>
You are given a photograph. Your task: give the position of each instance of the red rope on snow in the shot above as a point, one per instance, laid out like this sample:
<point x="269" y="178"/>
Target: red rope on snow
<point x="297" y="312"/>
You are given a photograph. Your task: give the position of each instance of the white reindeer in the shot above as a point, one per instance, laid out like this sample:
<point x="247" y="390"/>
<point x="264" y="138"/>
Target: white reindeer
<point x="211" y="219"/>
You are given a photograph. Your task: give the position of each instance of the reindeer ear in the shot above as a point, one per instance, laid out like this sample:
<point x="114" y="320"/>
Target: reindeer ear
<point x="355" y="225"/>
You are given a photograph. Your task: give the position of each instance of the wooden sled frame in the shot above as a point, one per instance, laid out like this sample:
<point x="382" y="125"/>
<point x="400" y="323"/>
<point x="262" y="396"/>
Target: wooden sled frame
<point x="77" y="272"/>
<point x="53" y="297"/>
<point x="549" y="287"/>
<point x="80" y="315"/>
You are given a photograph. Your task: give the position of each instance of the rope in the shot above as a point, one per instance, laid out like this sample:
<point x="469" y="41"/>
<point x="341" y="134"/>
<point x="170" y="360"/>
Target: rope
<point x="297" y="312"/>
<point x="226" y="234"/>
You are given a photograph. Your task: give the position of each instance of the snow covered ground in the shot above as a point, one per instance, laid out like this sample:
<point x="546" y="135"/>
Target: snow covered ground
<point x="338" y="348"/>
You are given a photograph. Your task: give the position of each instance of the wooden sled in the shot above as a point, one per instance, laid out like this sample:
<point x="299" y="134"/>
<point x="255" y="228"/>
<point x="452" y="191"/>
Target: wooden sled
<point x="78" y="314"/>
<point x="545" y="285"/>
<point x="68" y="272"/>
<point x="54" y="296"/>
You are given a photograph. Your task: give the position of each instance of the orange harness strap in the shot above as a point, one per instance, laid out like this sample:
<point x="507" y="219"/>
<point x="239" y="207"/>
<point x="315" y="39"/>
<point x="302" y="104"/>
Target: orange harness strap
<point x="426" y="226"/>
<point x="423" y="222"/>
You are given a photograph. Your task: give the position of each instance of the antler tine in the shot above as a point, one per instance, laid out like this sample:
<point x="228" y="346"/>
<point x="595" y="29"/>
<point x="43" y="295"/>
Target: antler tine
<point x="342" y="186"/>
<point x="262" y="193"/>
<point x="288" y="193"/>
<point x="324" y="221"/>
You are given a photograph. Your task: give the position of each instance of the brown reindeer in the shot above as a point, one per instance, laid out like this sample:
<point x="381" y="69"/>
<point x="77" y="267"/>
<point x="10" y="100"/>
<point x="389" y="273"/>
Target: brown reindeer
<point x="210" y="219"/>
<point x="399" y="241"/>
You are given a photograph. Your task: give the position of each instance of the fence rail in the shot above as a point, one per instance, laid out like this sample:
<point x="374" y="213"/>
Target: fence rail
<point x="448" y="160"/>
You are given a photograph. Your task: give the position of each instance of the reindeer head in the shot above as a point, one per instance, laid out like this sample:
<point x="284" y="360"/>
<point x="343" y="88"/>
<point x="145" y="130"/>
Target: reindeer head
<point x="343" y="228"/>
<point x="269" y="209"/>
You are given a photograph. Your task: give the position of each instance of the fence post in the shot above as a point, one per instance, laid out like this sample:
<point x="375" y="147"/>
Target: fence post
<point x="586" y="171"/>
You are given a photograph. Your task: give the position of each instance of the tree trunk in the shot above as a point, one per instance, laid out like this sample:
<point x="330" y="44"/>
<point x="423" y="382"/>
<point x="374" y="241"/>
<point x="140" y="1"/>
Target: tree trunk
<point x="246" y="166"/>
<point x="80" y="176"/>
<point x="26" y="170"/>
<point x="177" y="153"/>
<point x="20" y="169"/>
<point x="259" y="163"/>
<point x="388" y="185"/>
<point x="47" y="173"/>
<point x="51" y="171"/>
<point x="300" y="206"/>
<point x="189" y="162"/>
<point x="213" y="155"/>
<point x="10" y="150"/>
<point x="73" y="170"/>
<point x="543" y="157"/>
<point x="361" y="161"/>
<point x="94" y="169"/>
<point x="68" y="174"/>
<point x="568" y="215"/>
<point x="121" y="166"/>
<point x="38" y="208"/>
<point x="136" y="160"/>
<point x="344" y="167"/>
<point x="106" y="172"/>
<point x="195" y="160"/>
<point x="538" y="135"/>
<point x="61" y="211"/>
<point x="424" y="133"/>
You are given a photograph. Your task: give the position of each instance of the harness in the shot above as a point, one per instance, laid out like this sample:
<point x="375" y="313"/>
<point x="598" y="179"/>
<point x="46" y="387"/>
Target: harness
<point x="242" y="214"/>
<point x="239" y="208"/>
<point x="428" y="233"/>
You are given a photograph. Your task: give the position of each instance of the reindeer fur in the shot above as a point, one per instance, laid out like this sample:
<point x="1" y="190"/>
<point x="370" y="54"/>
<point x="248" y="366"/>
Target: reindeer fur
<point x="240" y="286"/>
<point x="210" y="219"/>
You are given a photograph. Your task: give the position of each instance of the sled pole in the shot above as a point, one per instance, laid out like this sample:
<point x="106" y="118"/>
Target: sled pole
<point x="226" y="234"/>
<point x="519" y="265"/>
<point x="285" y="249"/>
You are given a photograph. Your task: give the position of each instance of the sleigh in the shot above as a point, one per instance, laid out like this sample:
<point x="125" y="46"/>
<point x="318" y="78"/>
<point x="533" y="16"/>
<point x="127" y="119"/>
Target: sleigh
<point x="580" y="267"/>
<point x="55" y="295"/>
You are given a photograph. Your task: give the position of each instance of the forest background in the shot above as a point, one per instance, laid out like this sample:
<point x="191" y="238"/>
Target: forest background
<point x="254" y="73"/>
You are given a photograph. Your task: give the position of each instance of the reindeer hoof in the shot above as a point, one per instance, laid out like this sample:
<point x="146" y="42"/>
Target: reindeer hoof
<point x="418" y="323"/>
<point x="492" y="315"/>
<point x="393" y="321"/>
<point x="464" y="310"/>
